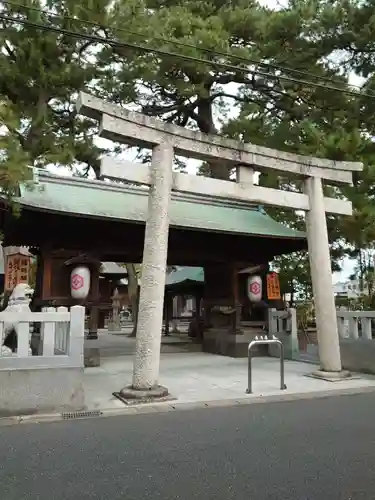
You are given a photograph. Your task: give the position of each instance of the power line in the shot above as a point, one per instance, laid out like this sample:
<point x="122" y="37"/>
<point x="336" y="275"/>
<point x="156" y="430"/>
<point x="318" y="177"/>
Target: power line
<point x="165" y="53"/>
<point x="177" y="43"/>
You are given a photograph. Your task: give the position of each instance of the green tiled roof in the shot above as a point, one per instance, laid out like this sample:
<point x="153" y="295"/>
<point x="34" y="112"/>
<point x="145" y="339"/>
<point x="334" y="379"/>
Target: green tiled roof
<point x="185" y="274"/>
<point x="101" y="199"/>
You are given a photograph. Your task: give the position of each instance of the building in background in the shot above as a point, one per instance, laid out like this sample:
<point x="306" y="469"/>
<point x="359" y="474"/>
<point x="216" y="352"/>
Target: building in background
<point x="350" y="289"/>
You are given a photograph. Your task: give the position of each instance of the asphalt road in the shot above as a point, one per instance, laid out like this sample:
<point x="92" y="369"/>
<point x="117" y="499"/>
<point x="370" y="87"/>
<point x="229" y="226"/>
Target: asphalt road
<point x="321" y="449"/>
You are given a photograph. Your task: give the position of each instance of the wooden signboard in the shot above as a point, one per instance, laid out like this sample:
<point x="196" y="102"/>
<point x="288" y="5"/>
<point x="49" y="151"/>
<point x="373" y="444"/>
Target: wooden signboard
<point x="17" y="270"/>
<point x="273" y="286"/>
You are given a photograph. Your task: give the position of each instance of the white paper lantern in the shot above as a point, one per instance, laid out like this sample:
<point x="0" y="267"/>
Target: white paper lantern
<point x="80" y="282"/>
<point x="254" y="288"/>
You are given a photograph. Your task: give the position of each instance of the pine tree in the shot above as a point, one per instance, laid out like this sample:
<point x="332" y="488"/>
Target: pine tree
<point x="42" y="73"/>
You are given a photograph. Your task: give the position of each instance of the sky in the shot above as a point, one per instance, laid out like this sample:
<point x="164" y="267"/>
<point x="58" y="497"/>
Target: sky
<point x="348" y="266"/>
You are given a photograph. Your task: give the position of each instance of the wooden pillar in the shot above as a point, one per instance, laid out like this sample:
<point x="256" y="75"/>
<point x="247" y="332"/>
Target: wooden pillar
<point x="236" y="300"/>
<point x="46" y="266"/>
<point x="198" y="315"/>
<point x="94" y="312"/>
<point x="168" y="310"/>
<point x="92" y="351"/>
<point x="198" y="305"/>
<point x="38" y="277"/>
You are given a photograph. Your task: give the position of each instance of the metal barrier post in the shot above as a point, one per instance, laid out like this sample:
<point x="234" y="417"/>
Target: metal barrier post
<point x="265" y="341"/>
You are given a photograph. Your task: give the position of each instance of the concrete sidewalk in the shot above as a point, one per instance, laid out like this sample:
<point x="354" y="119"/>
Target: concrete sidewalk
<point x="196" y="377"/>
<point x="195" y="380"/>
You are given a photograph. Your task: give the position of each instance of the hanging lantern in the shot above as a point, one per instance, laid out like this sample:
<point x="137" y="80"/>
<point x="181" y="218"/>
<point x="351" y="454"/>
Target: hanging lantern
<point x="254" y="288"/>
<point x="80" y="282"/>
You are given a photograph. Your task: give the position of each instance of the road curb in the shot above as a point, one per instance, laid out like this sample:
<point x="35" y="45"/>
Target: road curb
<point x="165" y="407"/>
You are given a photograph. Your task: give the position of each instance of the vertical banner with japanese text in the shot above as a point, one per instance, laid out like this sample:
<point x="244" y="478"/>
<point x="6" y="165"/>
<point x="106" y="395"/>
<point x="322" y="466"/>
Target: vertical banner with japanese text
<point x="273" y="286"/>
<point x="17" y="270"/>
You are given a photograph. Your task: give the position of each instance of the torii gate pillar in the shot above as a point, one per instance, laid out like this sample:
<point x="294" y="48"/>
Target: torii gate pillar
<point x="150" y="314"/>
<point x="321" y="277"/>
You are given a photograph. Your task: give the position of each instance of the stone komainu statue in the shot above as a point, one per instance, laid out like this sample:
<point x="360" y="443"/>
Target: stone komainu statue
<point x="19" y="301"/>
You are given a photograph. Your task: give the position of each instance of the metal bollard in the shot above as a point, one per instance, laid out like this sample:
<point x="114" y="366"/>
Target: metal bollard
<point x="265" y="342"/>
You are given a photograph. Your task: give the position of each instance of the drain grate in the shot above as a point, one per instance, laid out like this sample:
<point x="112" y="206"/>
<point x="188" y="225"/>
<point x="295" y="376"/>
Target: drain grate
<point x="81" y="414"/>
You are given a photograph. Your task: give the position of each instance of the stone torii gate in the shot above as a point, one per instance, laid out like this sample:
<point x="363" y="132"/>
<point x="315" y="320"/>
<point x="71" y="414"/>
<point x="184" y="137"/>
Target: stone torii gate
<point x="165" y="140"/>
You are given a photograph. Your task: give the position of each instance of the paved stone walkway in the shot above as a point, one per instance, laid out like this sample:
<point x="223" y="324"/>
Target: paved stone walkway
<point x="193" y="377"/>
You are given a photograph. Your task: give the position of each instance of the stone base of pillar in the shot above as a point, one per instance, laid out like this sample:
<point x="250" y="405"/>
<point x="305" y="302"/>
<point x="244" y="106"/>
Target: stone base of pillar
<point x="224" y="342"/>
<point x="130" y="396"/>
<point x="113" y="328"/>
<point x="91" y="357"/>
<point x="115" y="331"/>
<point x="91" y="353"/>
<point x="332" y="376"/>
<point x="174" y="328"/>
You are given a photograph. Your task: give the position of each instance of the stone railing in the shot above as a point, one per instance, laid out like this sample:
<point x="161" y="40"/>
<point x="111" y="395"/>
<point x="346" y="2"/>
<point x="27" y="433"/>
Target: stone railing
<point x="283" y="325"/>
<point x="51" y="380"/>
<point x="61" y="338"/>
<point x="355" y="324"/>
<point x="357" y="345"/>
